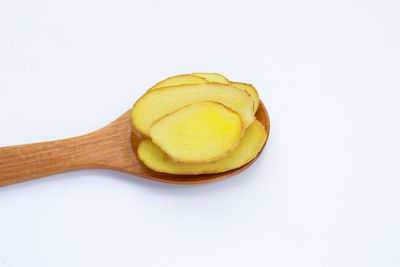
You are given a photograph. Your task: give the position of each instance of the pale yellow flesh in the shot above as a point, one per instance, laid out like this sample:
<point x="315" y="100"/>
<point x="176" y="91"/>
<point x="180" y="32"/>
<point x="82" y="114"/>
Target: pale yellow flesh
<point x="159" y="102"/>
<point x="252" y="92"/>
<point x="199" y="132"/>
<point x="249" y="146"/>
<point x="212" y="77"/>
<point x="178" y="80"/>
<point x="201" y="78"/>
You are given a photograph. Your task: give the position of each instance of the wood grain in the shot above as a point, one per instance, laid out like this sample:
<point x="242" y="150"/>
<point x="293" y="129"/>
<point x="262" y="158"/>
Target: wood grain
<point x="112" y="147"/>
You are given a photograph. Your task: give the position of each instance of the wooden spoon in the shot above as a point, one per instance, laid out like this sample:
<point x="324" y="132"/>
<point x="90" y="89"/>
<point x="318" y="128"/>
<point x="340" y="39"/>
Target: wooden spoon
<point x="112" y="147"/>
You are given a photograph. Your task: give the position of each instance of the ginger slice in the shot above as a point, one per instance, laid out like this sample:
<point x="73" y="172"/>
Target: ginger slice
<point x="159" y="102"/>
<point x="179" y="80"/>
<point x="212" y="77"/>
<point x="249" y="146"/>
<point x="200" y="132"/>
<point x="252" y="92"/>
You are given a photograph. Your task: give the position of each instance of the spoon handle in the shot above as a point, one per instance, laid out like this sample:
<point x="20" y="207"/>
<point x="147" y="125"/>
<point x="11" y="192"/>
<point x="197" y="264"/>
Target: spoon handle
<point x="107" y="148"/>
<point x="24" y="162"/>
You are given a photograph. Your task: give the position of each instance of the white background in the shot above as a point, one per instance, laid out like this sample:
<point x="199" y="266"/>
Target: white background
<point x="325" y="191"/>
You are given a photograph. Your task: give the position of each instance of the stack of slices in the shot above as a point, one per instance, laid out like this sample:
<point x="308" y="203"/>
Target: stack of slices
<point x="198" y="123"/>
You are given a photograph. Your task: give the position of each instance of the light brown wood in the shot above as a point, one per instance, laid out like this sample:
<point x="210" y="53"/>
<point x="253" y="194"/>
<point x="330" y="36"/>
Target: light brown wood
<point x="112" y="147"/>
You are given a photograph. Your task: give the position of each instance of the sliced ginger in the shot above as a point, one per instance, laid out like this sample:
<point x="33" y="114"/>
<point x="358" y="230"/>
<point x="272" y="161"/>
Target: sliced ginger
<point x="249" y="146"/>
<point x="159" y="102"/>
<point x="199" y="132"/>
<point x="201" y="78"/>
<point x="251" y="91"/>
<point x="213" y="77"/>
<point x="196" y="122"/>
<point x="180" y="79"/>
<point x="194" y="78"/>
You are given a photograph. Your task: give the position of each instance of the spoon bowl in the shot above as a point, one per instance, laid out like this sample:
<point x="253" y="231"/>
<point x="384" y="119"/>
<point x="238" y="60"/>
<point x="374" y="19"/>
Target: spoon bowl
<point x="112" y="147"/>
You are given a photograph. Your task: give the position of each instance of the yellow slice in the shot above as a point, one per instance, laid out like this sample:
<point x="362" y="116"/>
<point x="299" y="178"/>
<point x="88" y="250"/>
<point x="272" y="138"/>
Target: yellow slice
<point x="200" y="132"/>
<point x="159" y="102"/>
<point x="252" y="92"/>
<point x="178" y="80"/>
<point x="250" y="144"/>
<point x="213" y="77"/>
